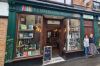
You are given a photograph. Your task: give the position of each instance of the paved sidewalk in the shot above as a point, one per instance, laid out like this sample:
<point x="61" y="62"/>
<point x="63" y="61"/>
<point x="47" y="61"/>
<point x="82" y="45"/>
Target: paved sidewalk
<point x="78" y="61"/>
<point x="82" y="61"/>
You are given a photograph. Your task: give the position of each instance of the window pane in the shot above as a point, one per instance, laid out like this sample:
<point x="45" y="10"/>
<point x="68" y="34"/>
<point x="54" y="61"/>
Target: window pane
<point x="69" y="2"/>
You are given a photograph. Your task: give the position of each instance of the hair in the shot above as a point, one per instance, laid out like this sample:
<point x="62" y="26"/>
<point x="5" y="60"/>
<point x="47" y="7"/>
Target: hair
<point x="34" y="27"/>
<point x="85" y="35"/>
<point x="92" y="35"/>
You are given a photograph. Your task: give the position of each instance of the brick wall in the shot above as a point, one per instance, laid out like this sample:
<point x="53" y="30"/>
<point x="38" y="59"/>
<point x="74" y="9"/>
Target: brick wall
<point x="78" y="2"/>
<point x="86" y="4"/>
<point x="3" y="31"/>
<point x="89" y="5"/>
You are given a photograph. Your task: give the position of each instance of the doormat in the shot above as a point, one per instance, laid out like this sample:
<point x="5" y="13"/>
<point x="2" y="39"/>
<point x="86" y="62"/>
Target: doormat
<point x="54" y="60"/>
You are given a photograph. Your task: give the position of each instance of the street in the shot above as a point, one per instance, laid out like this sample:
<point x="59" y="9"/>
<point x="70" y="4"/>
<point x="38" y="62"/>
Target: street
<point x="78" y="61"/>
<point x="93" y="61"/>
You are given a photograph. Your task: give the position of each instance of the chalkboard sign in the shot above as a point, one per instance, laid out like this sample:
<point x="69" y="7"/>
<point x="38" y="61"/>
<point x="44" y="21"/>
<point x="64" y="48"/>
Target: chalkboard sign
<point x="47" y="53"/>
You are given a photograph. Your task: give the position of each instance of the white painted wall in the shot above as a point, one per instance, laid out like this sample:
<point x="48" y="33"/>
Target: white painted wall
<point x="4" y="9"/>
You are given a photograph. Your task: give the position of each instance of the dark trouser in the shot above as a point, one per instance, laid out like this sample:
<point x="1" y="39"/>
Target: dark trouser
<point x="37" y="45"/>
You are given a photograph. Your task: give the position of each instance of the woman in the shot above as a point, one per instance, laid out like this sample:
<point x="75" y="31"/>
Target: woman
<point x="92" y="47"/>
<point x="86" y="45"/>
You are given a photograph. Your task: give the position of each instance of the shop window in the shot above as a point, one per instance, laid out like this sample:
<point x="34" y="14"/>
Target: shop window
<point x="28" y="35"/>
<point x="73" y="35"/>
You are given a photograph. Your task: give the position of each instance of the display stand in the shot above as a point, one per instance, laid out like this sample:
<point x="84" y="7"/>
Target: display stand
<point x="47" y="56"/>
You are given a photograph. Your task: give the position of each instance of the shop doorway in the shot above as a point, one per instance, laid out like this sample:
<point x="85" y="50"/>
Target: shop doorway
<point x="53" y="39"/>
<point x="54" y="35"/>
<point x="88" y="27"/>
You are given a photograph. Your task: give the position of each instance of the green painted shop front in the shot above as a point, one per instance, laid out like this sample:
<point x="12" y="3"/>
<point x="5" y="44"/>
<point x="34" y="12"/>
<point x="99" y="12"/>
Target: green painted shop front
<point x="35" y="8"/>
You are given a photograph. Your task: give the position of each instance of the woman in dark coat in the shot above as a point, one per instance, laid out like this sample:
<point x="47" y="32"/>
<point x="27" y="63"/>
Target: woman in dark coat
<point x="92" y="46"/>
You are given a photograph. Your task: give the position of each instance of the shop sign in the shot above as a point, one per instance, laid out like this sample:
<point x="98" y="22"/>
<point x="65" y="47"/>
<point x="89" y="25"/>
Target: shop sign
<point x="53" y="17"/>
<point x="41" y="11"/>
<point x="4" y="9"/>
<point x="53" y="22"/>
<point x="26" y="8"/>
<point x="46" y="11"/>
<point x="76" y="15"/>
<point x="47" y="54"/>
<point x="87" y="16"/>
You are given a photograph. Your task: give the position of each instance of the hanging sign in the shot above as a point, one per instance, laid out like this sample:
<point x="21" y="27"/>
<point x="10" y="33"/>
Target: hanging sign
<point x="47" y="54"/>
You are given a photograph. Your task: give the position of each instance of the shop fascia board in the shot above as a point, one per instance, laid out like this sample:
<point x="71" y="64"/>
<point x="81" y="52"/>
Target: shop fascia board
<point x="54" y="7"/>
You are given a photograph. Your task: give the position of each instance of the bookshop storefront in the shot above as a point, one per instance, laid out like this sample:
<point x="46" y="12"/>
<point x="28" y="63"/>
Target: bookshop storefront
<point x="36" y="31"/>
<point x="31" y="28"/>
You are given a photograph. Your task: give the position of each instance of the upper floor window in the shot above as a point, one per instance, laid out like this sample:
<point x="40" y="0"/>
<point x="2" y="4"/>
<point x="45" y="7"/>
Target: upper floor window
<point x="60" y="1"/>
<point x="97" y="0"/>
<point x="57" y="1"/>
<point x="96" y="5"/>
<point x="69" y="2"/>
